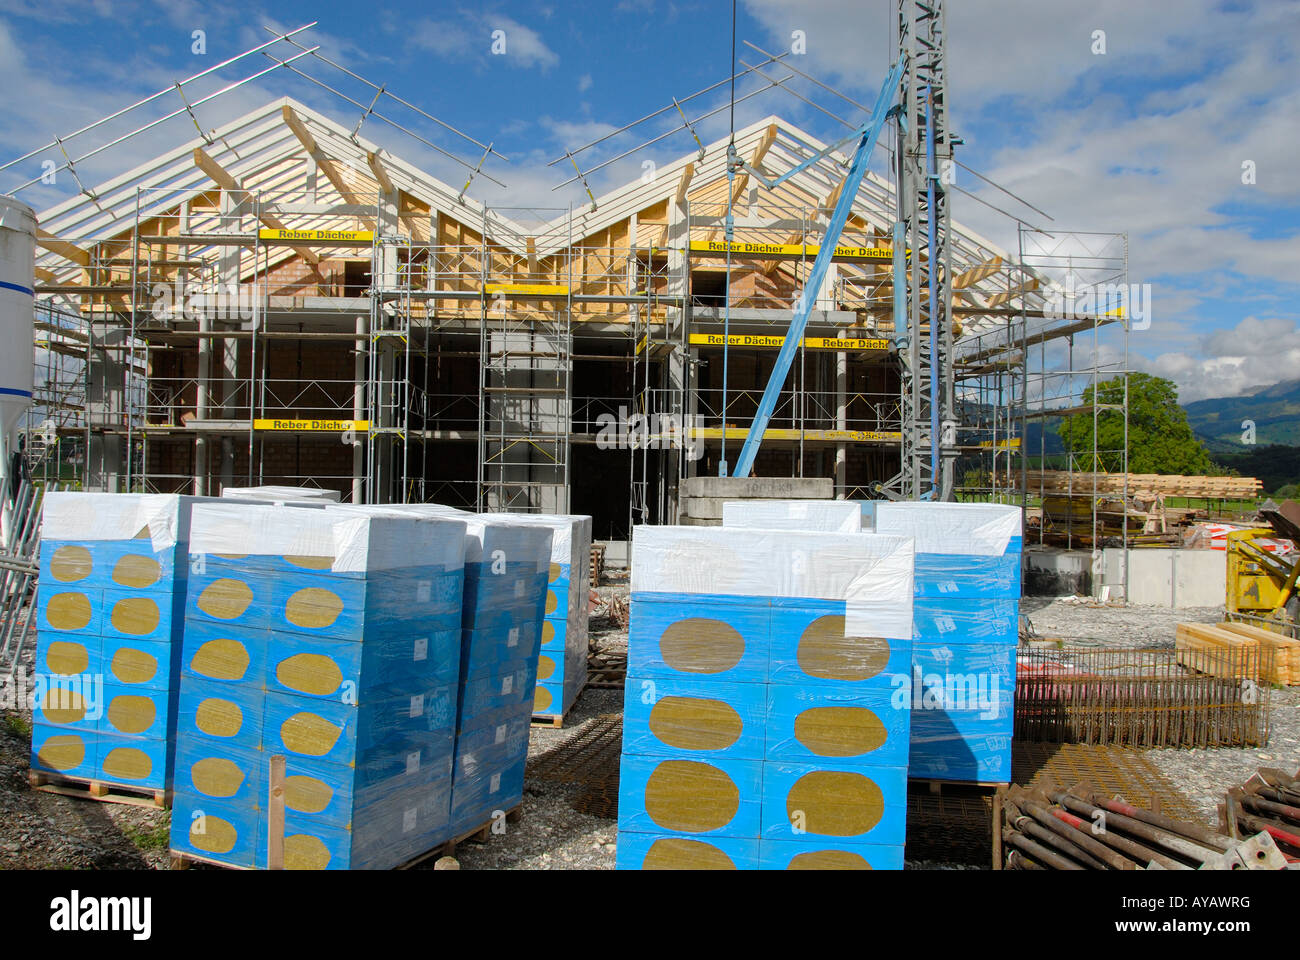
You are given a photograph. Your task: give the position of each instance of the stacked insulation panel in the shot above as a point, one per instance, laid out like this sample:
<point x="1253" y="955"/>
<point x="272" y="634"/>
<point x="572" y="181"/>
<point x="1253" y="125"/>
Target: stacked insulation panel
<point x="966" y="617"/>
<point x="562" y="664"/>
<point x="280" y="494"/>
<point x="766" y="715"/>
<point x="331" y="638"/>
<point x="506" y="567"/>
<point x="112" y="584"/>
<point x="809" y="516"/>
<point x="507" y="563"/>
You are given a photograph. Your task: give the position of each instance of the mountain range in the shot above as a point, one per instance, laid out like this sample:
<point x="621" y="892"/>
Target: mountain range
<point x="1274" y="411"/>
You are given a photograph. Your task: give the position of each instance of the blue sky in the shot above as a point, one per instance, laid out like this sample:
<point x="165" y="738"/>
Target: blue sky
<point x="1147" y="138"/>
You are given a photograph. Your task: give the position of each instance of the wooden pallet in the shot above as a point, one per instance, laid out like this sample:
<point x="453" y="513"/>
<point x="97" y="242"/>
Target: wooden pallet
<point x="101" y="790"/>
<point x="954" y="786"/>
<point x="557" y="722"/>
<point x="183" y="861"/>
<point x="480" y="834"/>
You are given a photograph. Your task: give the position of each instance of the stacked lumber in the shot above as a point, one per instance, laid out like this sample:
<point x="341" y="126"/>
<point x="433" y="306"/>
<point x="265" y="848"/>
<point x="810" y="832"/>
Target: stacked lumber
<point x="1285" y="667"/>
<point x="1217" y="652"/>
<point x="1170" y="485"/>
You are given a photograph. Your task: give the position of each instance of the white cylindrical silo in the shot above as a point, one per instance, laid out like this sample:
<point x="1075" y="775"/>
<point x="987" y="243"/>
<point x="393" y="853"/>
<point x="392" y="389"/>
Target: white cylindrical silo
<point x="17" y="358"/>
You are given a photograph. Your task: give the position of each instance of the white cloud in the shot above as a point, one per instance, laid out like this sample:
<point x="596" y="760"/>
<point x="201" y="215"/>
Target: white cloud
<point x="471" y="36"/>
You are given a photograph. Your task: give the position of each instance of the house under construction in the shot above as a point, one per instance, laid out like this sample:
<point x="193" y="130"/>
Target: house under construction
<point x="281" y="301"/>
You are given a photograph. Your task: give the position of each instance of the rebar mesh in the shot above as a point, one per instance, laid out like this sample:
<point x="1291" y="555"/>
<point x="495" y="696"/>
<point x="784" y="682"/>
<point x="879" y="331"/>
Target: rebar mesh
<point x="1158" y="697"/>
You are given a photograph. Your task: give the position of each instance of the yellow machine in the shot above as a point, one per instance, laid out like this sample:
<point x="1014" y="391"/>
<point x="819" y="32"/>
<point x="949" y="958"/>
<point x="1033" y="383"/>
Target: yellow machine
<point x="1260" y="584"/>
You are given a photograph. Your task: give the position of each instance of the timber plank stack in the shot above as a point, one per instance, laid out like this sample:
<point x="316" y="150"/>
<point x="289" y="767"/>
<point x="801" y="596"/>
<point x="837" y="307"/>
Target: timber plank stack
<point x="1285" y="668"/>
<point x="1218" y="652"/>
<point x="1171" y="485"/>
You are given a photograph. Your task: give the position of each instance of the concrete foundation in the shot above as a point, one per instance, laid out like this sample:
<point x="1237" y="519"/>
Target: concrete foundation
<point x="1168" y="578"/>
<point x="701" y="498"/>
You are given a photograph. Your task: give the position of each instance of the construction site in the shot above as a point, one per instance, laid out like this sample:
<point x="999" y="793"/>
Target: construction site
<point x="766" y="428"/>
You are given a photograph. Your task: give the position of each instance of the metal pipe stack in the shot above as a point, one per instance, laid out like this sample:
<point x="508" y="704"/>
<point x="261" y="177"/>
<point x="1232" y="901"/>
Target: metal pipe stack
<point x="1080" y="829"/>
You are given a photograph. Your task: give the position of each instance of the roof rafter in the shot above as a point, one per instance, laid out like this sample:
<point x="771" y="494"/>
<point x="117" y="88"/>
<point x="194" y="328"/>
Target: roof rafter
<point x="223" y="179"/>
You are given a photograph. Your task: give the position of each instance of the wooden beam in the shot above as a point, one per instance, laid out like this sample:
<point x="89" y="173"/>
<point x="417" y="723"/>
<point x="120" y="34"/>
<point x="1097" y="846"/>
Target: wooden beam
<point x="772" y="266"/>
<point x="684" y="183"/>
<point x="977" y="273"/>
<point x="323" y="162"/>
<point x="377" y="168"/>
<point x="222" y="178"/>
<point x="827" y="204"/>
<point x="380" y="173"/>
<point x="1005" y="296"/>
<point x="756" y="158"/>
<point x="68" y="251"/>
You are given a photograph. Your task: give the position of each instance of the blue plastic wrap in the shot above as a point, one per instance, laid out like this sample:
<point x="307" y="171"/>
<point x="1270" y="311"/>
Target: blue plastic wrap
<point x="136" y="761"/>
<point x="815" y="854"/>
<point x="738" y="704"/>
<point x="701" y="719"/>
<point x="149" y="664"/>
<point x="346" y="664"/>
<point x="966" y="621"/>
<point x="224" y="831"/>
<point x="68" y="752"/>
<point x="670" y="851"/>
<point x="487" y="795"/>
<point x="726" y="638"/>
<point x="810" y="724"/>
<point x="564" y="607"/>
<point x="109" y="604"/>
<point x="834" y="801"/>
<point x="697" y="798"/>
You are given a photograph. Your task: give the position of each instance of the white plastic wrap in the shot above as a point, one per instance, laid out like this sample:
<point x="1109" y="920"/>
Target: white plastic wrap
<point x="280" y="494"/>
<point x="359" y="539"/>
<point x="571" y="534"/>
<point x="825" y="516"/>
<point x="485" y="532"/>
<point x="68" y="515"/>
<point x="970" y="529"/>
<point x="871" y="573"/>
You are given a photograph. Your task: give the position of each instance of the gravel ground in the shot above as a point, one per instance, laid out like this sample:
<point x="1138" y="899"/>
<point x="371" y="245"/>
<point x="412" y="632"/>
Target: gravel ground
<point x="1204" y="775"/>
<point x="1110" y="625"/>
<point x="50" y="832"/>
<point x="551" y="834"/>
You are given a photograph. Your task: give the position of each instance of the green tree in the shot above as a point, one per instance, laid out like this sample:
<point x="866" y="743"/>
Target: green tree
<point x="1159" y="438"/>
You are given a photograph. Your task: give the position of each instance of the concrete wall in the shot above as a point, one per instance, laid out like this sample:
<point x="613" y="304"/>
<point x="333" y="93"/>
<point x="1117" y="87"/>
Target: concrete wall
<point x="1049" y="572"/>
<point x="1169" y="578"/>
